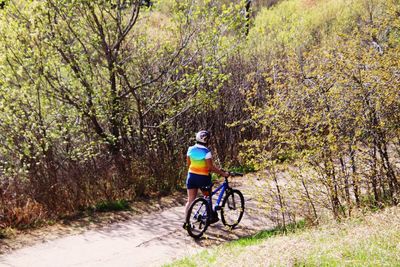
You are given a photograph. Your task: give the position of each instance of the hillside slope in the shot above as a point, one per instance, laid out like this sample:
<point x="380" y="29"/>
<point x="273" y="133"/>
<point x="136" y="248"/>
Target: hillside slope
<point x="370" y="240"/>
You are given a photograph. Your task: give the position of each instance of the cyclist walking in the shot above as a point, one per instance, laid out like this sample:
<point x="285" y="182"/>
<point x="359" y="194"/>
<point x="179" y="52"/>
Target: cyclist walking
<point x="199" y="159"/>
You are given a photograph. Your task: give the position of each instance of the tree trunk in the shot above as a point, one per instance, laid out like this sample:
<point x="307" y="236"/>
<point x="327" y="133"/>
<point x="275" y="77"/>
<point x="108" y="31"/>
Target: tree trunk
<point x="346" y="185"/>
<point x="281" y="202"/>
<point x="310" y="201"/>
<point x="356" y="189"/>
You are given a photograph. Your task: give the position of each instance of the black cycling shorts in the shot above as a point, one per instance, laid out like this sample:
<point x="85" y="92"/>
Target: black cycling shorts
<point x="197" y="180"/>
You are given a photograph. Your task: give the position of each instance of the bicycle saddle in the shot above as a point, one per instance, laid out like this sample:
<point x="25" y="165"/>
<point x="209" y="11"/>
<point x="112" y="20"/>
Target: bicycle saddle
<point x="207" y="188"/>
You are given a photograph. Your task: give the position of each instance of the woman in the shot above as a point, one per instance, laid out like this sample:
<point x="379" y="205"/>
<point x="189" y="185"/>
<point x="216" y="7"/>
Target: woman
<point x="201" y="165"/>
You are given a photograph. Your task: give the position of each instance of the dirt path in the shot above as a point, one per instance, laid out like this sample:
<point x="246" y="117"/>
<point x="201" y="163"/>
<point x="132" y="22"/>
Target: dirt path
<point x="143" y="240"/>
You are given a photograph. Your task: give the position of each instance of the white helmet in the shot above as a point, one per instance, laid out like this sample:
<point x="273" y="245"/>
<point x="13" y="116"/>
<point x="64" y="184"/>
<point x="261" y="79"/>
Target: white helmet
<point x="203" y="137"/>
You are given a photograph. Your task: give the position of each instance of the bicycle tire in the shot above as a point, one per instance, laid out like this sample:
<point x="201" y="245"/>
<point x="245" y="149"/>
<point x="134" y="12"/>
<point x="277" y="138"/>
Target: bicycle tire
<point x="197" y="218"/>
<point x="230" y="202"/>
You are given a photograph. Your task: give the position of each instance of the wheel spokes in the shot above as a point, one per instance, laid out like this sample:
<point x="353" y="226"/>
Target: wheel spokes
<point x="197" y="219"/>
<point x="233" y="209"/>
<point x="231" y="202"/>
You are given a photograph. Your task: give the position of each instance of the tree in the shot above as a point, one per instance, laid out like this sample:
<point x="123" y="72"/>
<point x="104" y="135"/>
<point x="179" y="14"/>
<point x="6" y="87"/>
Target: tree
<point x="328" y="117"/>
<point x="93" y="92"/>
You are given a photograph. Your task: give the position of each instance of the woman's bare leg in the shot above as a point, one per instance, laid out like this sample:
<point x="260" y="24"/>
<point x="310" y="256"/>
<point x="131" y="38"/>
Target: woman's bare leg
<point x="191" y="193"/>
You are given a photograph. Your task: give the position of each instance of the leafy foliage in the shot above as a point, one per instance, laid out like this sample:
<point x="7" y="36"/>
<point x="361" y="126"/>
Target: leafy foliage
<point x="116" y="205"/>
<point x="329" y="115"/>
<point x="94" y="96"/>
<point x="99" y="100"/>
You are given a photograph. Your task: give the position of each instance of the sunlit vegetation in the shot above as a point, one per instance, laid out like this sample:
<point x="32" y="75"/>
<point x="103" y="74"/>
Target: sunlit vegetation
<point x="372" y="240"/>
<point x="329" y="115"/>
<point x="100" y="99"/>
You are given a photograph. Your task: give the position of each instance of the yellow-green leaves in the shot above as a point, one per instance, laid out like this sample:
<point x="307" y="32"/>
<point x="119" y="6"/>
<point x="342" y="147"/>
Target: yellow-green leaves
<point x="331" y="104"/>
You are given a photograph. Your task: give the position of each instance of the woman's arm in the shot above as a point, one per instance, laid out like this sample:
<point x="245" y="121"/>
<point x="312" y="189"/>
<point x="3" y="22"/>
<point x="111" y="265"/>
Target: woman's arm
<point x="211" y="168"/>
<point x="188" y="160"/>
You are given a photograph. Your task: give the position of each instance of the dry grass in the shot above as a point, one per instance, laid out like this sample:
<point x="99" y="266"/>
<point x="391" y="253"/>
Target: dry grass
<point x="368" y="240"/>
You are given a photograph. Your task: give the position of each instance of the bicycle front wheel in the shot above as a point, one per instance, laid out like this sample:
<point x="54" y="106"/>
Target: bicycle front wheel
<point x="197" y="219"/>
<point x="232" y="208"/>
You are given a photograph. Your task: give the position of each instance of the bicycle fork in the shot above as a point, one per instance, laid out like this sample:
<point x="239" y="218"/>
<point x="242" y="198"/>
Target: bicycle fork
<point x="201" y="216"/>
<point x="231" y="202"/>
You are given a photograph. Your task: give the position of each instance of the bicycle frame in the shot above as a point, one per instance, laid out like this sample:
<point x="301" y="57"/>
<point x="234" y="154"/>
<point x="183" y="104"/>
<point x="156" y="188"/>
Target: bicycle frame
<point x="201" y="216"/>
<point x="204" y="214"/>
<point x="223" y="187"/>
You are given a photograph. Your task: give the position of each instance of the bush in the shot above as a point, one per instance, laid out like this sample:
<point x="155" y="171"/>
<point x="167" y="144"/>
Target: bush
<point x="116" y="205"/>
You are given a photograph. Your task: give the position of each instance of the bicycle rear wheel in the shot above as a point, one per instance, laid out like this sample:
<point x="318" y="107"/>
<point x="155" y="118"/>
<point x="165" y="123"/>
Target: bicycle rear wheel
<point x="197" y="219"/>
<point x="232" y="208"/>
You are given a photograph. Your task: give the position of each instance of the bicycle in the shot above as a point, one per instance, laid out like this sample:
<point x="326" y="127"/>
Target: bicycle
<point x="201" y="210"/>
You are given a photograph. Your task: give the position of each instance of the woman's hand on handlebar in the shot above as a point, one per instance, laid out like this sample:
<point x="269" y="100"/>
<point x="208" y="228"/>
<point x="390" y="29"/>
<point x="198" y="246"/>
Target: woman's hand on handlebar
<point x="233" y="174"/>
<point x="225" y="174"/>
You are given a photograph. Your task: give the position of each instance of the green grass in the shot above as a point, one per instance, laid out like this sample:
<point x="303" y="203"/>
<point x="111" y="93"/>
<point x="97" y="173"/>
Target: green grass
<point x="265" y="234"/>
<point x="115" y="205"/>
<point x="367" y="240"/>
<point x="6" y="232"/>
<point x="210" y="257"/>
<point x="380" y="249"/>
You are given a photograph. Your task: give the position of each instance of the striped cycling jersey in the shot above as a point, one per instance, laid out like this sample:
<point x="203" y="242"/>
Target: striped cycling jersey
<point x="198" y="155"/>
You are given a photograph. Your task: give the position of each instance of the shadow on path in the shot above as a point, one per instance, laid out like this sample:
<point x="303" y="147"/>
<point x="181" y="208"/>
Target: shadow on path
<point x="144" y="240"/>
